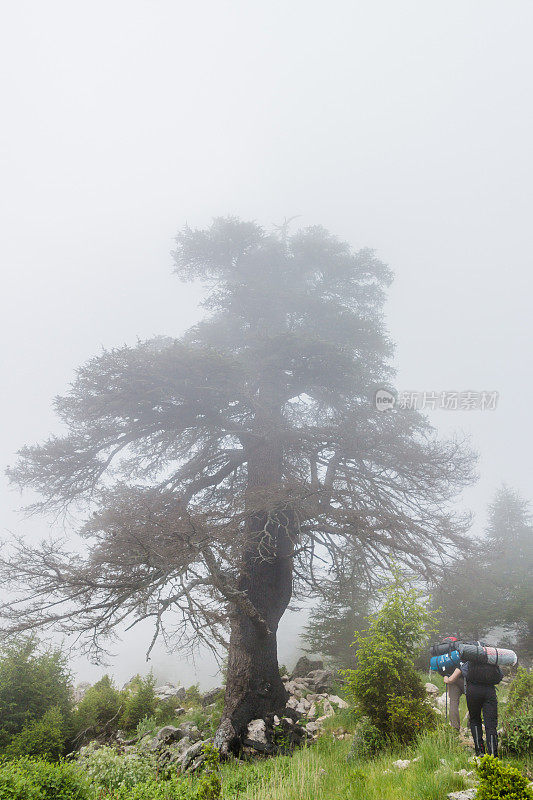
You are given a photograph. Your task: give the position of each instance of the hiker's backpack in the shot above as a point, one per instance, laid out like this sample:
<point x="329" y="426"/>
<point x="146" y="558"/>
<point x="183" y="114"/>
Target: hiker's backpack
<point x="446" y="646"/>
<point x="485" y="674"/>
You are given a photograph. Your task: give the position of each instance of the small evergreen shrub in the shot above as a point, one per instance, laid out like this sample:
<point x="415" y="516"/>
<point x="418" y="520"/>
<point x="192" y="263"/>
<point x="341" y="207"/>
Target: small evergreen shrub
<point x="140" y="701"/>
<point x="32" y="779"/>
<point x="99" y="711"/>
<point x="385" y="663"/>
<point x="43" y="737"/>
<point x="501" y="782"/>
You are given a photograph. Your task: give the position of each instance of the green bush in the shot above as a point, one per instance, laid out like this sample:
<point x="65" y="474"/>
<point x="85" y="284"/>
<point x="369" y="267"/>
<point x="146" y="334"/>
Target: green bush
<point x="176" y="788"/>
<point x="31" y="683"/>
<point x="517" y="733"/>
<point x="109" y="770"/>
<point x="99" y="711"/>
<point x="385" y="657"/>
<point x="409" y="716"/>
<point x="520" y="692"/>
<point x="499" y="780"/>
<point x="43" y="737"/>
<point x="209" y="786"/>
<point x="367" y="740"/>
<point x="32" y="779"/>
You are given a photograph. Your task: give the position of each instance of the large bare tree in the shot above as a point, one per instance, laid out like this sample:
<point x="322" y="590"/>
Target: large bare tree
<point x="227" y="469"/>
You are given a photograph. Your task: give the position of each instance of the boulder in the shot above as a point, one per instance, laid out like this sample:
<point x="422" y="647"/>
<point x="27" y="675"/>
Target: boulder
<point x="320" y="680"/>
<point x="166" y="736"/>
<point x="212" y="695"/>
<point x="189" y="758"/>
<point x="257" y="731"/>
<point x="328" y="708"/>
<point x="431" y="689"/>
<point x="304" y="665"/>
<point x="337" y="701"/>
<point x="168" y="692"/>
<point x="303" y="706"/>
<point x="441" y="701"/>
<point x="466" y="794"/>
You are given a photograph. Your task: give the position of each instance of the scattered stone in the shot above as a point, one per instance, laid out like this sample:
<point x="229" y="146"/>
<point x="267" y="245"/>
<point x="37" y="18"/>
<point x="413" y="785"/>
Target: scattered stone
<point x="401" y="764"/>
<point x="303" y="706"/>
<point x="292" y="702"/>
<point x="465" y="794"/>
<point x="431" y="688"/>
<point x="311" y="712"/>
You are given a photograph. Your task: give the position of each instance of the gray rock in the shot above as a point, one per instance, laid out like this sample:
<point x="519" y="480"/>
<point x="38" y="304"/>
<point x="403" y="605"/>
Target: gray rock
<point x="465" y="794"/>
<point x="191" y="754"/>
<point x="338" y="701"/>
<point x="166" y="736"/>
<point x="431" y="688"/>
<point x="320" y="680"/>
<point x="257" y="731"/>
<point x="304" y="665"/>
<point x="401" y="764"/>
<point x="212" y="695"/>
<point x="168" y="692"/>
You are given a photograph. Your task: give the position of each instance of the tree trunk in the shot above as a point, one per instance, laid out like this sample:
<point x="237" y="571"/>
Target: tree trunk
<point x="253" y="686"/>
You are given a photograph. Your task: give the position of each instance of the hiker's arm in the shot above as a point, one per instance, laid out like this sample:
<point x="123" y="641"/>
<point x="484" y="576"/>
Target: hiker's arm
<point x="453" y="677"/>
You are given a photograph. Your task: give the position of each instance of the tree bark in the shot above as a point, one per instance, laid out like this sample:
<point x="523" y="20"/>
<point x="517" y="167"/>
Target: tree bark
<point x="253" y="686"/>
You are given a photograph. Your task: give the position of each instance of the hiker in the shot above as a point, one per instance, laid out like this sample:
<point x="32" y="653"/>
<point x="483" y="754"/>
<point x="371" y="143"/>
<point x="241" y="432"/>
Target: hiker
<point x="455" y="689"/>
<point x="480" y="689"/>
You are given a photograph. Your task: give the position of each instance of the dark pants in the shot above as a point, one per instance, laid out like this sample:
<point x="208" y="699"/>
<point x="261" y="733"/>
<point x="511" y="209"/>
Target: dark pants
<point x="482" y="699"/>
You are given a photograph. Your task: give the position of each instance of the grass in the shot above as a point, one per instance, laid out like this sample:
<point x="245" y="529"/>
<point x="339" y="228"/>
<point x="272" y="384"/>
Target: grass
<point x="322" y="771"/>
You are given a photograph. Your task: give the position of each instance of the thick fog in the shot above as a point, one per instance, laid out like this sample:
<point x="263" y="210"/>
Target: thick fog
<point x="405" y="127"/>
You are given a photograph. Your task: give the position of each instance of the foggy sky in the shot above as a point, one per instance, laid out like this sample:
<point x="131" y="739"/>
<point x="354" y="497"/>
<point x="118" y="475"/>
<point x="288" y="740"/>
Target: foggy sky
<point x="405" y="127"/>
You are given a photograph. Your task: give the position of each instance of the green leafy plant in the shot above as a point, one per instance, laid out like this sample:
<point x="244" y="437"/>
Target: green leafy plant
<point x="517" y="733"/>
<point x="209" y="786"/>
<point x="98" y="713"/>
<point x="409" y="716"/>
<point x="520" y="692"/>
<point x="32" y="779"/>
<point x="499" y="780"/>
<point x="367" y="740"/>
<point x="109" y="770"/>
